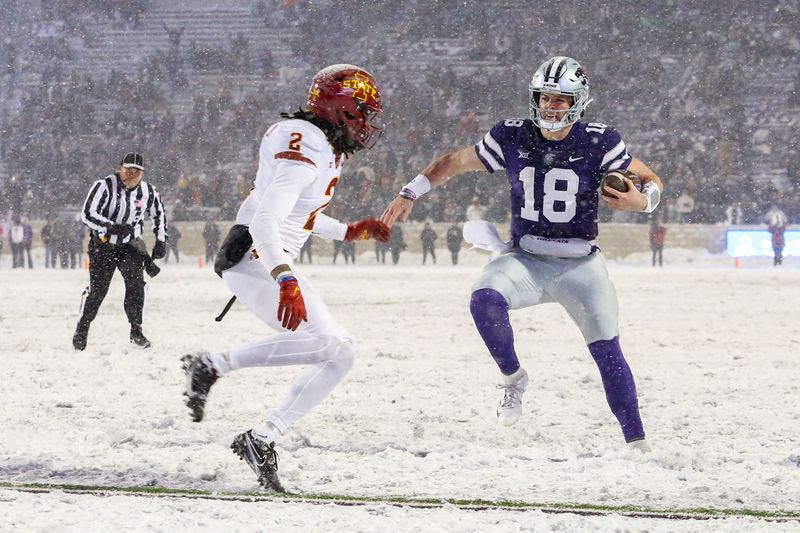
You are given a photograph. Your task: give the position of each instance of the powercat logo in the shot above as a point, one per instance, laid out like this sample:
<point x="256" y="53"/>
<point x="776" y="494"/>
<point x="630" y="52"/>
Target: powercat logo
<point x="362" y="86"/>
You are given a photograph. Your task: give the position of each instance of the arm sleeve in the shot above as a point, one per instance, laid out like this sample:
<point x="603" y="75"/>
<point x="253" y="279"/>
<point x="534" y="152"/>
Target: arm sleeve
<point x="616" y="155"/>
<point x="489" y="150"/>
<point x="277" y="202"/>
<point x="157" y="216"/>
<point x="95" y="200"/>
<point x="329" y="228"/>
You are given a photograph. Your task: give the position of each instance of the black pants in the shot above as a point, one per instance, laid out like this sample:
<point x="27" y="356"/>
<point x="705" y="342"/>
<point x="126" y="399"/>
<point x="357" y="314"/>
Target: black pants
<point x="104" y="260"/>
<point x="659" y="252"/>
<point x="428" y="249"/>
<point x="211" y="251"/>
<point x="778" y="258"/>
<point x="173" y="247"/>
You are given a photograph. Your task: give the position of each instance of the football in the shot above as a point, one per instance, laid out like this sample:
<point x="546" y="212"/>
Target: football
<point x="613" y="180"/>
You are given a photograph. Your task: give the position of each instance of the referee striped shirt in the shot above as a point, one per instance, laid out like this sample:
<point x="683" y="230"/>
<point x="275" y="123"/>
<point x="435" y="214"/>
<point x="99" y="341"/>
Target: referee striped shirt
<point x="109" y="203"/>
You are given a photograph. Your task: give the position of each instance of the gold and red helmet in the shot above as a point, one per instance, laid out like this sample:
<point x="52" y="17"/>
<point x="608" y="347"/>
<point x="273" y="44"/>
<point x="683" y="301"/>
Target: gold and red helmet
<point x="348" y="97"/>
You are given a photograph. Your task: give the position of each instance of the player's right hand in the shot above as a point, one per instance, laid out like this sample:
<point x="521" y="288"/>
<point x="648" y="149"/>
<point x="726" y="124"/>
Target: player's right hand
<point x="399" y="208"/>
<point x="292" y="307"/>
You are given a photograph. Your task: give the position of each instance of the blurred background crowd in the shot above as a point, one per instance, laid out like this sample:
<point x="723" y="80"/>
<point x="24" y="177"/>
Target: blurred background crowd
<point x="710" y="102"/>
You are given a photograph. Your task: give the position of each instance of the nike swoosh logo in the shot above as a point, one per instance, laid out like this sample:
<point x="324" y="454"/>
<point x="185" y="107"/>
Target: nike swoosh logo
<point x="571" y="159"/>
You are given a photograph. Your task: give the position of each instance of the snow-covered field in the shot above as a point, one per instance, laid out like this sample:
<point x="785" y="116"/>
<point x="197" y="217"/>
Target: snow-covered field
<point x="715" y="350"/>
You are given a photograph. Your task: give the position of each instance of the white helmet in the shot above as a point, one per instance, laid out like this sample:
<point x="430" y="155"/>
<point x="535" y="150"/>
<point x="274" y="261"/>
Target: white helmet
<point x="559" y="75"/>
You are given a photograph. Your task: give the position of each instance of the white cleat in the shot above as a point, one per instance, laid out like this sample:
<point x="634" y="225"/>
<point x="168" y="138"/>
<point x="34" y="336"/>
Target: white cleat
<point x="510" y="407"/>
<point x="641" y="446"/>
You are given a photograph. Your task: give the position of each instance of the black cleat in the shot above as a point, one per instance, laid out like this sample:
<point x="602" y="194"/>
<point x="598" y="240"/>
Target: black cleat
<point x="261" y="457"/>
<point x="79" y="339"/>
<point x="200" y="376"/>
<point x="138" y="338"/>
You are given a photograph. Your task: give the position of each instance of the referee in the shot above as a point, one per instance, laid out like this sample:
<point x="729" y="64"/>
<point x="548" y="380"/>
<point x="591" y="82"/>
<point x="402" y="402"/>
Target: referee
<point x="114" y="211"/>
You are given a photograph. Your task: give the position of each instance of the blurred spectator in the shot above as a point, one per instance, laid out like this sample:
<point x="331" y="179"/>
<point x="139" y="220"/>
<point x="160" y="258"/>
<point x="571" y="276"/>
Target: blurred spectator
<point x="684" y="207"/>
<point x="380" y="251"/>
<point x="49" y="254"/>
<point x="174" y="35"/>
<point x="306" y="250"/>
<point x="734" y="214"/>
<point x="337" y="247"/>
<point x="428" y="238"/>
<point x="27" y="241"/>
<point x="172" y="244"/>
<point x="658" y="234"/>
<point x="396" y="243"/>
<point x="454" y="241"/>
<point x="777" y="220"/>
<point x="211" y="239"/>
<point x="76" y="243"/>
<point x="349" y="252"/>
<point x="16" y="234"/>
<point x="61" y="236"/>
<point x="476" y="211"/>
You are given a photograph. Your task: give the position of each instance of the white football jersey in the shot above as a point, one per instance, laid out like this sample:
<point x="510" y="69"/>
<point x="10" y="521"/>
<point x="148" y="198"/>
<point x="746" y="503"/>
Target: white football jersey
<point x="301" y="143"/>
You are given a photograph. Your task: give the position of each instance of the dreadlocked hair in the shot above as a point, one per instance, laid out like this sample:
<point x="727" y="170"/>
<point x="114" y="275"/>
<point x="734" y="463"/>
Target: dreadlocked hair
<point x="337" y="135"/>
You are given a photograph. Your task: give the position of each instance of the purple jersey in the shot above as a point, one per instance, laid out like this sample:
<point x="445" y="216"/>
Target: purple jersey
<point x="553" y="184"/>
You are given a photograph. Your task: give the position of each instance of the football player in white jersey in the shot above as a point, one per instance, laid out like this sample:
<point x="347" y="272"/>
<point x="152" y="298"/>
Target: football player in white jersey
<point x="300" y="161"/>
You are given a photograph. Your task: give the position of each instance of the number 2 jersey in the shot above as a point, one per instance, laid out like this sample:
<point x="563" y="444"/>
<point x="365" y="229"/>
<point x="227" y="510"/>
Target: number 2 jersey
<point x="304" y="147"/>
<point x="553" y="184"/>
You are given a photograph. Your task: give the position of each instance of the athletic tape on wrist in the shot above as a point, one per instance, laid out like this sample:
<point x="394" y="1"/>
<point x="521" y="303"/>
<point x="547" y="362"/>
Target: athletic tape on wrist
<point x="652" y="194"/>
<point x="416" y="187"/>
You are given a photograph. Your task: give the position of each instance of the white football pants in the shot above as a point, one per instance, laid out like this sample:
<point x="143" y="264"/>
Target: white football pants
<point x="320" y="342"/>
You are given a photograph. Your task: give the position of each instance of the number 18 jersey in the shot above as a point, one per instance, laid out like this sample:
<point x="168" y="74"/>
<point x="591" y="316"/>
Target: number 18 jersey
<point x="553" y="184"/>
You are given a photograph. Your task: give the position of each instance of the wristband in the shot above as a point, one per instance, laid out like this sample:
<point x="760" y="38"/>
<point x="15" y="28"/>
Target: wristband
<point x="652" y="194"/>
<point x="416" y="187"/>
<point x="286" y="275"/>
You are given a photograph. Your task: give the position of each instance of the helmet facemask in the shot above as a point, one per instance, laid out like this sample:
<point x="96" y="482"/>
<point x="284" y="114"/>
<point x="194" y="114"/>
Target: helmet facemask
<point x="360" y="126"/>
<point x="561" y="76"/>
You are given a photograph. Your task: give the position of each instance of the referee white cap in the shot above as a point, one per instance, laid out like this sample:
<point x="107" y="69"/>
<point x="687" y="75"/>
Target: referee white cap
<point x="133" y="160"/>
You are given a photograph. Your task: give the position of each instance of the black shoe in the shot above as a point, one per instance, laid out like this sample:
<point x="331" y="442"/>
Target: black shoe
<point x="200" y="375"/>
<point x="138" y="338"/>
<point x="261" y="457"/>
<point x="79" y="339"/>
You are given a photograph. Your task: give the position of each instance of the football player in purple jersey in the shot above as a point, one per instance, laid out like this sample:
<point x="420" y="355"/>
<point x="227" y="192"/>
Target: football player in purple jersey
<point x="554" y="164"/>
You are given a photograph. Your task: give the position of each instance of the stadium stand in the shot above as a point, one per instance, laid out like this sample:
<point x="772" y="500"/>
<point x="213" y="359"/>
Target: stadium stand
<point x="711" y="103"/>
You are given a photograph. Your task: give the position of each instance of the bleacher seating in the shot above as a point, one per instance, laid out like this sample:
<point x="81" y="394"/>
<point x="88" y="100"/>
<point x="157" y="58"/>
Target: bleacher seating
<point x="668" y="95"/>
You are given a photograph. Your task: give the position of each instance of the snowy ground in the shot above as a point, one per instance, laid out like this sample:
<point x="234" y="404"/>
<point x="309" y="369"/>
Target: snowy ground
<point x="715" y="351"/>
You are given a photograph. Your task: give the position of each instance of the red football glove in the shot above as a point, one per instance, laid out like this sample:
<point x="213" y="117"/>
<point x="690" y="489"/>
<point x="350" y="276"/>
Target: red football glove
<point x="369" y="228"/>
<point x="292" y="308"/>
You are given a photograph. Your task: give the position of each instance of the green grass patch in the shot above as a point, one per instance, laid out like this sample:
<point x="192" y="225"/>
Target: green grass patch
<point x="699" y="513"/>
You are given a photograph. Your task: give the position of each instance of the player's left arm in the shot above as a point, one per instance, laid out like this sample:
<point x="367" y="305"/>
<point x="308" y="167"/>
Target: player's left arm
<point x="157" y="214"/>
<point x="633" y="200"/>
<point x="275" y="206"/>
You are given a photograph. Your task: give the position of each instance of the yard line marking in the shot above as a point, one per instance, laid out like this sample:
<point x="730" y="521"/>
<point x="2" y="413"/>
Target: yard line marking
<point x="632" y="511"/>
